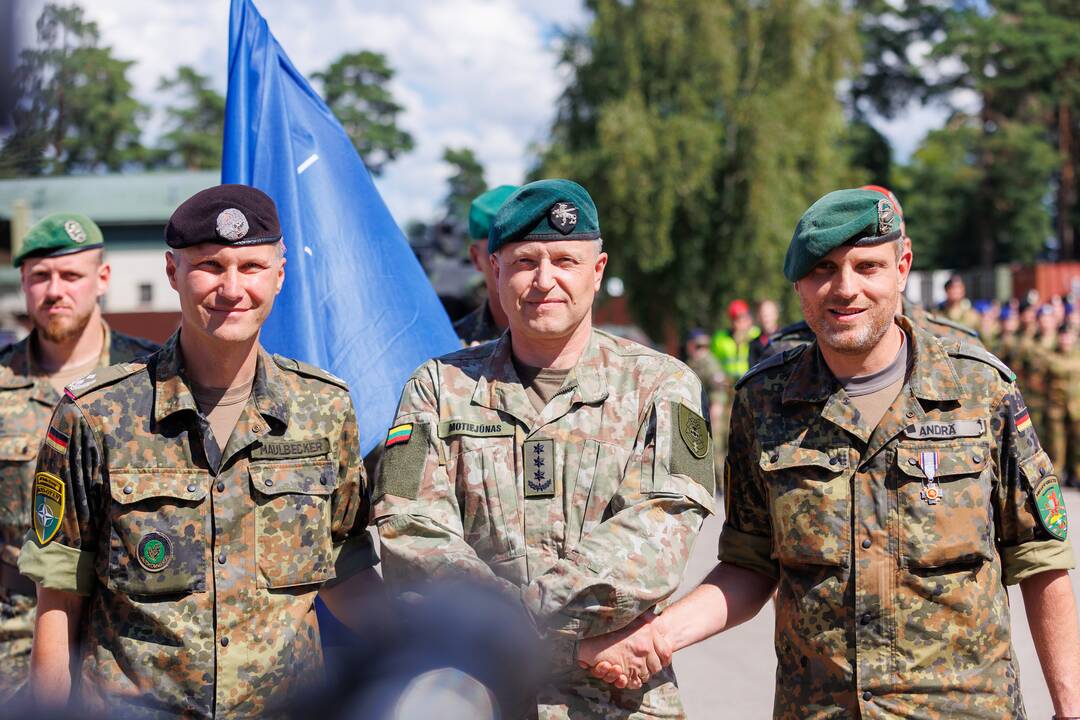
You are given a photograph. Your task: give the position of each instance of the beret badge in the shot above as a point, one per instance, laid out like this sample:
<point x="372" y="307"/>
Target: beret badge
<point x="886" y="217"/>
<point x="75" y="231"/>
<point x="231" y="224"/>
<point x="563" y="217"/>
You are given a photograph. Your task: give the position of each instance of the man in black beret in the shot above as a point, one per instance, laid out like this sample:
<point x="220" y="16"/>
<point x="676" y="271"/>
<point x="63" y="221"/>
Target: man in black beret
<point x="188" y="509"/>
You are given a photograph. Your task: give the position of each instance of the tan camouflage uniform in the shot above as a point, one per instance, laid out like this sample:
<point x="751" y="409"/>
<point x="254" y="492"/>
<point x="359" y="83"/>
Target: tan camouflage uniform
<point x="26" y="404"/>
<point x="478" y="326"/>
<point x="586" y="511"/>
<point x="201" y="572"/>
<point x="889" y="606"/>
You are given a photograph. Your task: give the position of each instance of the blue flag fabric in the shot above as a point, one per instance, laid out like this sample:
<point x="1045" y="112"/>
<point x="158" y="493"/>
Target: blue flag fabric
<point x="356" y="301"/>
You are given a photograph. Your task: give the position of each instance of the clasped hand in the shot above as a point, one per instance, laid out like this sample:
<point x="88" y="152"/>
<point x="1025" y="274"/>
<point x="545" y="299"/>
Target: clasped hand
<point x="627" y="658"/>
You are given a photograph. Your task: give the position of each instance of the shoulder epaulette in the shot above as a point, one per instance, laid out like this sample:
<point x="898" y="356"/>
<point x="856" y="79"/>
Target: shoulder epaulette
<point x="769" y="362"/>
<point x="102" y="377"/>
<point x="975" y="352"/>
<point x="311" y="371"/>
<point x="939" y="320"/>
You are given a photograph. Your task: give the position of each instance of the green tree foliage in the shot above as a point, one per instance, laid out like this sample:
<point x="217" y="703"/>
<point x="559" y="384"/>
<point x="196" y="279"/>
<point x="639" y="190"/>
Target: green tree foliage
<point x="465" y="183"/>
<point x="196" y="123"/>
<point x="356" y="87"/>
<point x="703" y="129"/>
<point x="952" y="195"/>
<point x="75" y="111"/>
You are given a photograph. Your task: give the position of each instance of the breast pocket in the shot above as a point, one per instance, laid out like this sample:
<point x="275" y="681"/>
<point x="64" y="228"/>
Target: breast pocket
<point x="958" y="528"/>
<point x="810" y="504"/>
<point x="293" y="545"/>
<point x="488" y="500"/>
<point x="17" y="454"/>
<point x="159" y="531"/>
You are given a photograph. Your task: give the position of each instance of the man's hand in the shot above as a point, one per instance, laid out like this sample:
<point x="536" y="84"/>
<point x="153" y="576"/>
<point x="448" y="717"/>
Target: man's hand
<point x="629" y="657"/>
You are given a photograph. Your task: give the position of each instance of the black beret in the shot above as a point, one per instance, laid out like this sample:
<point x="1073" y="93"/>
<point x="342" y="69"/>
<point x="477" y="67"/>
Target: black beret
<point x="226" y="215"/>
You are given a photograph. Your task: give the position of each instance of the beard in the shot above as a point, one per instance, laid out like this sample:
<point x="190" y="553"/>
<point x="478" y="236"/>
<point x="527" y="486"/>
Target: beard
<point x="854" y="340"/>
<point x="61" y="329"/>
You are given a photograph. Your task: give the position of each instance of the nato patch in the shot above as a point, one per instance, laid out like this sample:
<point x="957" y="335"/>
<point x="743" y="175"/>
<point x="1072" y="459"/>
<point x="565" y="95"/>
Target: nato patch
<point x="1051" y="506"/>
<point x="450" y="428"/>
<point x="155" y="551"/>
<point x="48" y="506"/>
<point x="944" y="430"/>
<point x="563" y="216"/>
<point x="539" y="468"/>
<point x="289" y="449"/>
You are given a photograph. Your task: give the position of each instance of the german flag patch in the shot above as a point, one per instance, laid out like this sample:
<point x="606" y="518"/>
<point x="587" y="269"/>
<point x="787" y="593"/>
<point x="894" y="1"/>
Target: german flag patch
<point x="57" y="440"/>
<point x="399" y="435"/>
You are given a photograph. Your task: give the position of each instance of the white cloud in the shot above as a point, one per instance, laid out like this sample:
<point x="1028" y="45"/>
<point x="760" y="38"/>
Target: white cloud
<point x="475" y="73"/>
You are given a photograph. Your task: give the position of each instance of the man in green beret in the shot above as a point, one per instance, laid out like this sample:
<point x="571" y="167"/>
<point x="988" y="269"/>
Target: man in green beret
<point x="569" y="467"/>
<point x="888" y="487"/>
<point x="488" y="321"/>
<point x="63" y="276"/>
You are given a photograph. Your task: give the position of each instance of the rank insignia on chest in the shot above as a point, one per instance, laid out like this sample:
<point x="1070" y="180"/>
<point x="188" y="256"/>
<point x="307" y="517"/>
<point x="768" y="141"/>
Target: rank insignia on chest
<point x="1051" y="506"/>
<point x="538" y="468"/>
<point x="48" y="506"/>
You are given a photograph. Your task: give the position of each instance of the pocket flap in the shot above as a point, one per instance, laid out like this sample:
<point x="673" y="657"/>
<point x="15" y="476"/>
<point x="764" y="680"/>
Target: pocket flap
<point x="790" y="456"/>
<point x="950" y="458"/>
<point x="17" y="448"/>
<point x="131" y="486"/>
<point x="316" y="478"/>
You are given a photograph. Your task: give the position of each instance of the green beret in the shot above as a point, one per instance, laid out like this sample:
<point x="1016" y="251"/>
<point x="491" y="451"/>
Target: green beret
<point x="60" y="234"/>
<point x="553" y="209"/>
<point x="483" y="208"/>
<point x="843" y="217"/>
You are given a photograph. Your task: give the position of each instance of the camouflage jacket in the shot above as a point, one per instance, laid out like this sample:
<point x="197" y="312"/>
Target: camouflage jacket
<point x="478" y="326"/>
<point x="587" y="510"/>
<point x="892" y="545"/>
<point x="201" y="570"/>
<point x="26" y="404"/>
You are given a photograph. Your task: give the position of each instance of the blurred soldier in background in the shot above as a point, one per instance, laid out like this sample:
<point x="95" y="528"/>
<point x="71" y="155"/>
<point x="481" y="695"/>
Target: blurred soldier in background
<point x="488" y="321"/>
<point x="717" y="389"/>
<point x="957" y="307"/>
<point x="768" y="316"/>
<point x="64" y="276"/>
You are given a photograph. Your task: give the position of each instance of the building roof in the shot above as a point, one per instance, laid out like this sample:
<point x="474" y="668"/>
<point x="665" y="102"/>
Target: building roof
<point x="119" y="198"/>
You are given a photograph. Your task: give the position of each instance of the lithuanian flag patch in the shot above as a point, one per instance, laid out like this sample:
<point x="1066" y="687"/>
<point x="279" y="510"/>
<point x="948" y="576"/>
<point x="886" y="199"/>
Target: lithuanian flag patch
<point x="399" y="434"/>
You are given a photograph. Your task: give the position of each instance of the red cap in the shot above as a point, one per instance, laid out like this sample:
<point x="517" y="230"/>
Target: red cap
<point x="736" y="308"/>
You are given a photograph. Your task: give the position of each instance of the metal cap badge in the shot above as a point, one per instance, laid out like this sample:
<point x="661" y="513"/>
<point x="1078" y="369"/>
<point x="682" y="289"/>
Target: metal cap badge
<point x="231" y="224"/>
<point x="563" y="217"/>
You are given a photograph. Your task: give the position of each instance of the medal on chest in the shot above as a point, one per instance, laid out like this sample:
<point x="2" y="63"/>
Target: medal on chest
<point x="931" y="491"/>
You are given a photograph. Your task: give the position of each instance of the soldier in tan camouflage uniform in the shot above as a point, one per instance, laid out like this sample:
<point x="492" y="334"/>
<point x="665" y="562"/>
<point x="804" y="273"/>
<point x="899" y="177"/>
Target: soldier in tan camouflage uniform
<point x="184" y="553"/>
<point x="890" y="486"/>
<point x="567" y="466"/>
<point x="700" y="359"/>
<point x="63" y="277"/>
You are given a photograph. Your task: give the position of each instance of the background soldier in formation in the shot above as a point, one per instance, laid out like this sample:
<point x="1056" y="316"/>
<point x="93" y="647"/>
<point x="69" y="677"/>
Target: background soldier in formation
<point x="488" y="321"/>
<point x="188" y="508"/>
<point x="63" y="277"/>
<point x="566" y="466"/>
<point x="889" y="485"/>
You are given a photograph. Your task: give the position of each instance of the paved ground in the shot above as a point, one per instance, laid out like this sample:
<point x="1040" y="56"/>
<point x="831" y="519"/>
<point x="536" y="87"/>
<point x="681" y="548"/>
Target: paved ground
<point x="732" y="675"/>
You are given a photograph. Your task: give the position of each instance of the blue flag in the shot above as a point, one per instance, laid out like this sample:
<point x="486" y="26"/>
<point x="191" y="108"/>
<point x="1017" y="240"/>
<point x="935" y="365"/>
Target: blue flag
<point x="356" y="301"/>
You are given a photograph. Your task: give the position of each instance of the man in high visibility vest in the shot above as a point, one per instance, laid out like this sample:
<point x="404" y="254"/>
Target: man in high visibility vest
<point x="732" y="348"/>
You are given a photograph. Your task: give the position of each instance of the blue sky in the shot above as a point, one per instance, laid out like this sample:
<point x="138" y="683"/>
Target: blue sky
<point x="475" y="73"/>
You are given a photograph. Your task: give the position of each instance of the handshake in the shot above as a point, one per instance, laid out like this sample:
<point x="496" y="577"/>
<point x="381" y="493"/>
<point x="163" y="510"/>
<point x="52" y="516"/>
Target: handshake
<point x="627" y="658"/>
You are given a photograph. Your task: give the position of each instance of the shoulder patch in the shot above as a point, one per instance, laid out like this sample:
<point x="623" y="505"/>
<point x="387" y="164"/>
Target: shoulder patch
<point x="102" y="377"/>
<point x="974" y="352"/>
<point x="309" y="370"/>
<point x="770" y="362"/>
<point x="939" y="320"/>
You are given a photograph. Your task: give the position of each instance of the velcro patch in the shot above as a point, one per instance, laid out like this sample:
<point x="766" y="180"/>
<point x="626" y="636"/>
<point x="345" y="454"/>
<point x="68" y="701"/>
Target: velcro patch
<point x="403" y="463"/>
<point x="1051" y="505"/>
<point x="48" y="506"/>
<point x="691" y="452"/>
<point x="449" y="428"/>
<point x="538" y="467"/>
<point x="944" y="430"/>
<point x="287" y="449"/>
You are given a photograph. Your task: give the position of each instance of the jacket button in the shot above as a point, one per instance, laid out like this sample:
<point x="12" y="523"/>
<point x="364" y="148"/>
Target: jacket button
<point x="192" y="488"/>
<point x="128" y="490"/>
<point x="322" y="481"/>
<point x="976" y="458"/>
<point x="256" y="428"/>
<point x="221" y="487"/>
<point x="865" y="619"/>
<point x="224" y="642"/>
<point x="221" y="558"/>
<point x="867" y="695"/>
<point x="774" y="458"/>
<point x="268" y="482"/>
<point x="834" y="461"/>
<point x="912" y="461"/>
<point x="910" y="414"/>
<point x="866" y="544"/>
